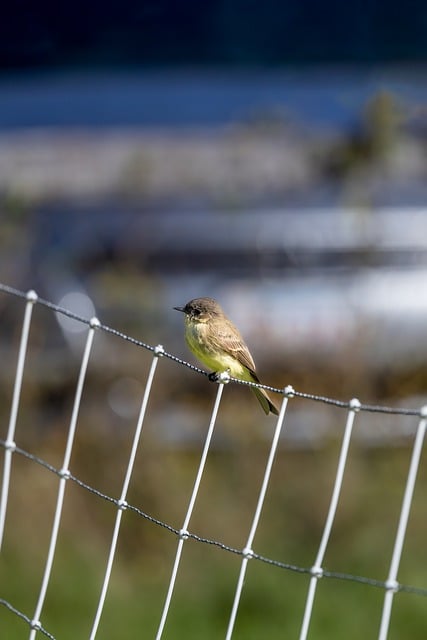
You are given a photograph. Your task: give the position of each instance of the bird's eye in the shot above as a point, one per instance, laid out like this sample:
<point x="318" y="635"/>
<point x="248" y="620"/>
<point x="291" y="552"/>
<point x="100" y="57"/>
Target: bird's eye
<point x="196" y="312"/>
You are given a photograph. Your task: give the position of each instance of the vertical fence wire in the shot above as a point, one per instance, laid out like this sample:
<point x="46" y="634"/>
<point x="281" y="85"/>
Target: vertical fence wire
<point x="64" y="476"/>
<point x="184" y="530"/>
<point x="158" y="351"/>
<point x="248" y="551"/>
<point x="10" y="438"/>
<point x="392" y="585"/>
<point x="317" y="570"/>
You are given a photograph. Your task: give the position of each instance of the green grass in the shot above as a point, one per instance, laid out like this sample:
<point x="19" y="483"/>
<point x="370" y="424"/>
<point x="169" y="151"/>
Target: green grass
<point x="273" y="599"/>
<point x="271" y="607"/>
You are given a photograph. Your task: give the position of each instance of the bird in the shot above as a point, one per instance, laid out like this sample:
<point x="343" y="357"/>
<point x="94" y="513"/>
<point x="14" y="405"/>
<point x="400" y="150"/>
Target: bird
<point x="218" y="344"/>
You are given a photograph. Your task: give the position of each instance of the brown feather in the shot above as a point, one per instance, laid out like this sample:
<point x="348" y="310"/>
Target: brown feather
<point x="228" y="339"/>
<point x="215" y="340"/>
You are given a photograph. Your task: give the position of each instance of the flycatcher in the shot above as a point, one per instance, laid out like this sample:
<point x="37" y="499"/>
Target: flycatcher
<point x="216" y="342"/>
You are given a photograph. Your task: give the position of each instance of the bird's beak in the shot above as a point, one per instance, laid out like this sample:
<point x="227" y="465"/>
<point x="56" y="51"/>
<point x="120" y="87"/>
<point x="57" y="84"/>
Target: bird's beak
<point x="179" y="309"/>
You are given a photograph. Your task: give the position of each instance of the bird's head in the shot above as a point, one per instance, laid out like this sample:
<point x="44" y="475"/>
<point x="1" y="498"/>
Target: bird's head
<point x="201" y="309"/>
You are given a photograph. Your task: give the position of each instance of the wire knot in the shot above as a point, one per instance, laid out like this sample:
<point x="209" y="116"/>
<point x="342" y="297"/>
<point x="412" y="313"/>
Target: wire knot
<point x="316" y="572"/>
<point x="392" y="585"/>
<point x="221" y="377"/>
<point x="184" y="534"/>
<point x="354" y="405"/>
<point x="10" y="445"/>
<point x="32" y="296"/>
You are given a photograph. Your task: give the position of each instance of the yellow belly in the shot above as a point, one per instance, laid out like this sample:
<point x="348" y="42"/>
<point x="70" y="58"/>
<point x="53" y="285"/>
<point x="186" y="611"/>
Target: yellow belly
<point x="197" y="337"/>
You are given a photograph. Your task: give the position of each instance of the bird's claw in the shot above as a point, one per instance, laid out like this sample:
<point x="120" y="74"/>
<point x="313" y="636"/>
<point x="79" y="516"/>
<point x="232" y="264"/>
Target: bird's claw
<point x="214" y="376"/>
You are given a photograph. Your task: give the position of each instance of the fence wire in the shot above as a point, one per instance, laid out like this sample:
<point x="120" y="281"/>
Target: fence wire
<point x="390" y="586"/>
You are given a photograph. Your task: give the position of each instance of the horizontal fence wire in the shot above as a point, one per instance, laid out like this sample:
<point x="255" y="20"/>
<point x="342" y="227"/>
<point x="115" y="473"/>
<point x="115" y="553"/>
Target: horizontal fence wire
<point x="4" y="603"/>
<point x="139" y="343"/>
<point x="317" y="571"/>
<point x="335" y="575"/>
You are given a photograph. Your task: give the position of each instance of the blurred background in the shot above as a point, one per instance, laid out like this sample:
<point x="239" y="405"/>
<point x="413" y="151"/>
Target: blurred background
<point x="272" y="156"/>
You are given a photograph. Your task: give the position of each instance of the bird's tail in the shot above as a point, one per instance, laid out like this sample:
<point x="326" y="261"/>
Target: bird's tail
<point x="265" y="401"/>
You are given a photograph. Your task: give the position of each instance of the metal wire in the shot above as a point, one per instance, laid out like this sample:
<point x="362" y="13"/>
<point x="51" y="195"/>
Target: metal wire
<point x="343" y="404"/>
<point x="390" y="586"/>
<point x="279" y="564"/>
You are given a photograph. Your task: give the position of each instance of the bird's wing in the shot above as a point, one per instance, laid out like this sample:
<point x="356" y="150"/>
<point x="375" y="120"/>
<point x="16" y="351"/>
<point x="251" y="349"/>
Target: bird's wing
<point x="232" y="342"/>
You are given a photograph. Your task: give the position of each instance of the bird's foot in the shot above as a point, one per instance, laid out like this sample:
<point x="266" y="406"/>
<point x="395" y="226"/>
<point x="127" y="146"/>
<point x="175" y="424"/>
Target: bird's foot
<point x="221" y="377"/>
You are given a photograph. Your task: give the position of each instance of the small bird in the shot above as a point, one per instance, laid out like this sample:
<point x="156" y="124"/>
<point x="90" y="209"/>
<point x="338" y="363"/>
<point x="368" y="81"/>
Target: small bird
<point x="217" y="343"/>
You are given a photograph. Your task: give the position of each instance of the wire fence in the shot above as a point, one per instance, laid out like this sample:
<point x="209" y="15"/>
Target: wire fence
<point x="352" y="409"/>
